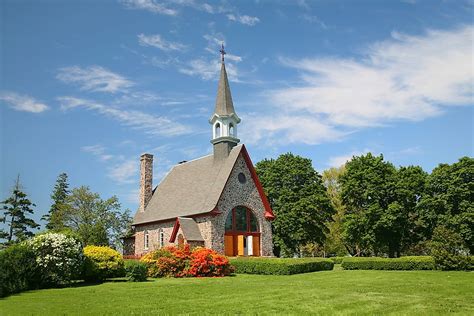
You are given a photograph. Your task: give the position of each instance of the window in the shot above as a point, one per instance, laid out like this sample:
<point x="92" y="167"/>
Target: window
<point x="241" y="219"/>
<point x="231" y="129"/>
<point x="162" y="238"/>
<point x="146" y="240"/>
<point x="218" y="130"/>
<point x="242" y="178"/>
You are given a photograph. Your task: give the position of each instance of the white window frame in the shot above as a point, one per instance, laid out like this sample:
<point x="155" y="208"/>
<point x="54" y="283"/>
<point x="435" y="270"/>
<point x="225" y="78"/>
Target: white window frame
<point x="162" y="239"/>
<point x="146" y="240"/>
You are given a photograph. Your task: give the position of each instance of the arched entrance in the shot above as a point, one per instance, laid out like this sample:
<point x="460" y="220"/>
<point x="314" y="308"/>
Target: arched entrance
<point x="242" y="234"/>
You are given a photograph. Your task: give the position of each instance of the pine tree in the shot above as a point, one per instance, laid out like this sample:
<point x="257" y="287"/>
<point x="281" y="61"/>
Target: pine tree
<point x="55" y="217"/>
<point x="15" y="211"/>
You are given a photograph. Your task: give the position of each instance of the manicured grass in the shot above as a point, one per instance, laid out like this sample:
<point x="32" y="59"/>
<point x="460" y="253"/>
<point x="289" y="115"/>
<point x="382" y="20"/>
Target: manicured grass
<point x="327" y="292"/>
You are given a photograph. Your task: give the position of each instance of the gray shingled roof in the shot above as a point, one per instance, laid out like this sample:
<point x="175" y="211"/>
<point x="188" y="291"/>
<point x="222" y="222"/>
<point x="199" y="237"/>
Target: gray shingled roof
<point x="190" y="229"/>
<point x="224" y="104"/>
<point x="190" y="188"/>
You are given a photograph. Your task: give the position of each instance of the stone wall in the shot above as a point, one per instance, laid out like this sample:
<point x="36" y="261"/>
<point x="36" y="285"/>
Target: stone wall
<point x="246" y="194"/>
<point x="146" y="180"/>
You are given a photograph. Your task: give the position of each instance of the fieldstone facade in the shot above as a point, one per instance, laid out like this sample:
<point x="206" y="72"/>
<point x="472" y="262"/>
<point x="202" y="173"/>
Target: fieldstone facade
<point x="146" y="180"/>
<point x="212" y="227"/>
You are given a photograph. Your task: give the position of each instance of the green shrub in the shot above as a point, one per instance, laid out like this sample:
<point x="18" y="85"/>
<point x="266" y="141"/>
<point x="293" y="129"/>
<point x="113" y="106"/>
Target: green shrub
<point x="135" y="271"/>
<point x="102" y="262"/>
<point x="449" y="251"/>
<point x="279" y="266"/>
<point x="337" y="260"/>
<point x="18" y="270"/>
<point x="58" y="256"/>
<point x="376" y="263"/>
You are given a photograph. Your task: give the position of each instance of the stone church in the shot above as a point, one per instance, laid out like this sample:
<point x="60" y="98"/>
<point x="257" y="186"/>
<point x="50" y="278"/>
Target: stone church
<point x="215" y="201"/>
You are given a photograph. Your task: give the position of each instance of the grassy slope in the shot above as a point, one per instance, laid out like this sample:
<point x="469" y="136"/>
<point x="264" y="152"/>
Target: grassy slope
<point x="329" y="292"/>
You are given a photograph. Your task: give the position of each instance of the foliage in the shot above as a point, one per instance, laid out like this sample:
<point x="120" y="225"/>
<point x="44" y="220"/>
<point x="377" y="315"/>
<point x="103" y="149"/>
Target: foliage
<point x="98" y="222"/>
<point x="18" y="270"/>
<point x="55" y="216"/>
<point x="337" y="260"/>
<point x="376" y="263"/>
<point x="280" y="266"/>
<point x="334" y="243"/>
<point x="448" y="250"/>
<point x="136" y="271"/>
<point x="58" y="256"/>
<point x="102" y="262"/>
<point x="207" y="263"/>
<point x="450" y="200"/>
<point x="299" y="200"/>
<point x="182" y="262"/>
<point x="15" y="211"/>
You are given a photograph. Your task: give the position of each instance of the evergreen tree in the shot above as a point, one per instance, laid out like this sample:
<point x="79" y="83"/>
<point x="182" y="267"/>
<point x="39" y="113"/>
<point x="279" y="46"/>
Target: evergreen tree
<point x="55" y="217"/>
<point x="15" y="211"/>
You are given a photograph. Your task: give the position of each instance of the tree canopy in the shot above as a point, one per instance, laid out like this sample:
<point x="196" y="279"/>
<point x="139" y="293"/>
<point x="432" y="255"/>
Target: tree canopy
<point x="298" y="198"/>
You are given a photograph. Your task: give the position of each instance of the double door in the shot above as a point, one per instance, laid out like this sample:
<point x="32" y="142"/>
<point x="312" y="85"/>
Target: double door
<point x="242" y="244"/>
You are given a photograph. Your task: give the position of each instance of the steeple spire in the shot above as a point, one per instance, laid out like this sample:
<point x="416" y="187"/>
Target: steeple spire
<point x="224" y="120"/>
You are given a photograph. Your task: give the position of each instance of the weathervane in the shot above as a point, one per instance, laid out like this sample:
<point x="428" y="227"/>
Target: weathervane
<point x="222" y="51"/>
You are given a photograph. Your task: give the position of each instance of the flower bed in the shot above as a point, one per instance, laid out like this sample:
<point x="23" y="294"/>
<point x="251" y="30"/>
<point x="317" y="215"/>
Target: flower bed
<point x="376" y="263"/>
<point x="182" y="262"/>
<point x="280" y="266"/>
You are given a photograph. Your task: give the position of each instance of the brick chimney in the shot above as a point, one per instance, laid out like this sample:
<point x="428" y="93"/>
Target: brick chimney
<point x="146" y="180"/>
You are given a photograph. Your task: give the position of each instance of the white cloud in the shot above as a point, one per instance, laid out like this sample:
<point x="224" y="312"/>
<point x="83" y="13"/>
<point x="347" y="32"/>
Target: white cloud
<point x="124" y="172"/>
<point x="94" y="78"/>
<point x="150" y="124"/>
<point x="208" y="69"/>
<point x="338" y="161"/>
<point x="22" y="102"/>
<point x="403" y="78"/>
<point x="98" y="151"/>
<point x="150" y="5"/>
<point x="243" y="19"/>
<point x="157" y="41"/>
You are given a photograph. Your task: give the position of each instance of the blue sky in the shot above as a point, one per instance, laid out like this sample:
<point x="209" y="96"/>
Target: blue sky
<point x="87" y="86"/>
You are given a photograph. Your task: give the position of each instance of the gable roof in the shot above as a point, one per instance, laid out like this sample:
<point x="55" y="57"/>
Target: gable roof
<point x="195" y="187"/>
<point x="189" y="228"/>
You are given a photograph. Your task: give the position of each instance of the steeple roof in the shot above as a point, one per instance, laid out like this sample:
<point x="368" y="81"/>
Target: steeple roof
<point x="224" y="104"/>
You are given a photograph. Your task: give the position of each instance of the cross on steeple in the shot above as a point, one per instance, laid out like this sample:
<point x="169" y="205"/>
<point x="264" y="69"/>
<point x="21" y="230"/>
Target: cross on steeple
<point x="222" y="51"/>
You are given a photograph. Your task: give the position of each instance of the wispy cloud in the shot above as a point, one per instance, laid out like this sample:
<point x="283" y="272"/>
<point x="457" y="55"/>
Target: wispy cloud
<point x="94" y="78"/>
<point x="124" y="172"/>
<point x="403" y="78"/>
<point x="150" y="124"/>
<point x="150" y="5"/>
<point x="157" y="41"/>
<point x="22" y="102"/>
<point x="208" y="69"/>
<point x="338" y="161"/>
<point x="98" y="151"/>
<point x="243" y="19"/>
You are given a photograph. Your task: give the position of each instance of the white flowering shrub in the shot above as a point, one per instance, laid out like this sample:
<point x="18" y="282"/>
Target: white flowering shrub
<point x="58" y="256"/>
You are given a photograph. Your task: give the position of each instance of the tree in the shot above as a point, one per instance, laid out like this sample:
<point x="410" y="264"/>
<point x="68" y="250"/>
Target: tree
<point x="298" y="198"/>
<point x="334" y="243"/>
<point x="368" y="190"/>
<point x="55" y="216"/>
<point x="96" y="221"/>
<point x="450" y="200"/>
<point x="15" y="211"/>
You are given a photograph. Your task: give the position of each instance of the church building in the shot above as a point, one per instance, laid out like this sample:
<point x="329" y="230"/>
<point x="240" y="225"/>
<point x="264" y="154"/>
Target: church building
<point x="215" y="201"/>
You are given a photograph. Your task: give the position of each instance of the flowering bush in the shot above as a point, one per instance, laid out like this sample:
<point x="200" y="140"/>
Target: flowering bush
<point x="102" y="262"/>
<point x="59" y="257"/>
<point x="206" y="263"/>
<point x="182" y="262"/>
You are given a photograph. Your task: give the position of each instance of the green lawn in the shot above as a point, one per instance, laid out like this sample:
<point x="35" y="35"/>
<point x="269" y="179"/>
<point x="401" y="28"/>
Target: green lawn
<point x="328" y="293"/>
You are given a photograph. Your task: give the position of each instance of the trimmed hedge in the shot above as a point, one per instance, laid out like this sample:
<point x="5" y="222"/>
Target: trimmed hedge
<point x="376" y="263"/>
<point x="135" y="271"/>
<point x="337" y="260"/>
<point x="280" y="266"/>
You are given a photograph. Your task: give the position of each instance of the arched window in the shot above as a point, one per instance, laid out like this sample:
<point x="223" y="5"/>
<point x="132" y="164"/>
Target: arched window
<point x="146" y="240"/>
<point x="161" y="238"/>
<point x="231" y="129"/>
<point x="241" y="219"/>
<point x="218" y="130"/>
